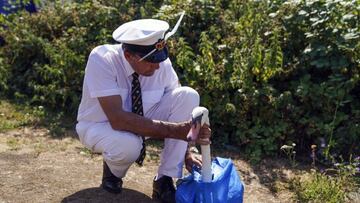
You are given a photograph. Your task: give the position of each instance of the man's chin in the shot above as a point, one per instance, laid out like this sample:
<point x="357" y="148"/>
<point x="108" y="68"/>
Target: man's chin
<point x="148" y="74"/>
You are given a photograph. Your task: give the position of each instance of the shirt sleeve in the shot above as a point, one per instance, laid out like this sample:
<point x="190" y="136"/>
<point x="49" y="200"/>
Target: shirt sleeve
<point x="100" y="77"/>
<point x="173" y="80"/>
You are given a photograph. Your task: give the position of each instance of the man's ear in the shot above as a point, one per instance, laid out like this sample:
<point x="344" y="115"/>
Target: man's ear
<point x="127" y="55"/>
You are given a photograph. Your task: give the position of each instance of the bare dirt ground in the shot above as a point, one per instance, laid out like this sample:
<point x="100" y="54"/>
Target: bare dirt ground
<point x="35" y="167"/>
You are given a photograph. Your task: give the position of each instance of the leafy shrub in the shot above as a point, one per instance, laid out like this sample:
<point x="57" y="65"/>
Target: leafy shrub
<point x="45" y="53"/>
<point x="322" y="187"/>
<point x="270" y="72"/>
<point x="321" y="49"/>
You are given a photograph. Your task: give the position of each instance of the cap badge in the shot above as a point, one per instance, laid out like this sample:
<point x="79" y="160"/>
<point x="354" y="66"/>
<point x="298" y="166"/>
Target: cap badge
<point x="160" y="45"/>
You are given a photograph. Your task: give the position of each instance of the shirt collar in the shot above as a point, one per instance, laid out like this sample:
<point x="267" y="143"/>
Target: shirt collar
<point x="128" y="69"/>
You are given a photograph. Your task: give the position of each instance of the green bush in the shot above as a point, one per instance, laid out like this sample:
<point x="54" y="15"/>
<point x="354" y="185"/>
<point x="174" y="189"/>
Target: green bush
<point x="45" y="53"/>
<point x="320" y="187"/>
<point x="324" y="44"/>
<point x="270" y="72"/>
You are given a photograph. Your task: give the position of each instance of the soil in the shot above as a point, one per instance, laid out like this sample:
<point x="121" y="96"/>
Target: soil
<point x="35" y="167"/>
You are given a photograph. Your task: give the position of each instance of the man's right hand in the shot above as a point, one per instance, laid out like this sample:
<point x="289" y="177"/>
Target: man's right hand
<point x="202" y="136"/>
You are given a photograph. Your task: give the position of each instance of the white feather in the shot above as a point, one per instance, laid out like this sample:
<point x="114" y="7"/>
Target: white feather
<point x="169" y="34"/>
<point x="173" y="31"/>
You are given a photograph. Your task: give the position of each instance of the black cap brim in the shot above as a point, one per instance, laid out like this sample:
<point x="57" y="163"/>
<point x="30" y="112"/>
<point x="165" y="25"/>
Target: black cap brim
<point x="158" y="56"/>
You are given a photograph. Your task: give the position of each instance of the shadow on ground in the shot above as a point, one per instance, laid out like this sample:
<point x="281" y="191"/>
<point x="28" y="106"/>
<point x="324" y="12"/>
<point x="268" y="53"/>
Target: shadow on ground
<point x="97" y="195"/>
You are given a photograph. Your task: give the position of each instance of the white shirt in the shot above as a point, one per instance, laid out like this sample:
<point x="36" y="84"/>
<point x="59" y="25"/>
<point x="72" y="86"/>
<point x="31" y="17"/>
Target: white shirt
<point x="108" y="73"/>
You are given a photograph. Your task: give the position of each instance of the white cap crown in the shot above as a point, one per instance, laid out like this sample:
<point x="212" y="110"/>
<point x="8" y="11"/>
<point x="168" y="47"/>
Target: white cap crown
<point x="141" y="32"/>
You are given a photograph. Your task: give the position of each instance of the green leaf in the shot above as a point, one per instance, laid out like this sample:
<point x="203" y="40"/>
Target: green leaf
<point x="304" y="13"/>
<point x="348" y="17"/>
<point x="350" y="36"/>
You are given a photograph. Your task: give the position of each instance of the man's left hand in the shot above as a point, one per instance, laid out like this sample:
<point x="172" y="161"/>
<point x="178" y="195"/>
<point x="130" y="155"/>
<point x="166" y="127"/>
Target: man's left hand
<point x="191" y="160"/>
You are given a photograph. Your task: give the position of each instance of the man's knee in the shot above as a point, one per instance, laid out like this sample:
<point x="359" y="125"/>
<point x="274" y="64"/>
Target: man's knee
<point x="123" y="150"/>
<point x="188" y="96"/>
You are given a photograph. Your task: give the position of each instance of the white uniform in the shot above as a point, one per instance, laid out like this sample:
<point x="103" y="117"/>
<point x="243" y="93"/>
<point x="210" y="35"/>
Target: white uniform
<point x="108" y="73"/>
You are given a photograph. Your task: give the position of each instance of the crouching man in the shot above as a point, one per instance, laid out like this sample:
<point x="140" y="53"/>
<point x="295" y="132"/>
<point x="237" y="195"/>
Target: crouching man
<point x="131" y="92"/>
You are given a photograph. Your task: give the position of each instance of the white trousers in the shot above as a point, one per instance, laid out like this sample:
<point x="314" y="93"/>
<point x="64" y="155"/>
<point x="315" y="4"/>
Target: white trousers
<point x="120" y="149"/>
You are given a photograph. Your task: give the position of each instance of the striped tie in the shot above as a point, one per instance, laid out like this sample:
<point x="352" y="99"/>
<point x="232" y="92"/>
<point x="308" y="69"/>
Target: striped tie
<point x="137" y="108"/>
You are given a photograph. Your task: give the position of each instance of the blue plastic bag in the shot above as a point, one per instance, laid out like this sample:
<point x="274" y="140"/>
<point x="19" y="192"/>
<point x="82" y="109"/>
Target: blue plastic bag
<point x="225" y="187"/>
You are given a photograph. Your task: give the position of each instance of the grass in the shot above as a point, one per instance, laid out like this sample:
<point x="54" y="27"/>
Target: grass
<point x="86" y="152"/>
<point x="40" y="147"/>
<point x="13" y="115"/>
<point x="320" y="187"/>
<point x="13" y="143"/>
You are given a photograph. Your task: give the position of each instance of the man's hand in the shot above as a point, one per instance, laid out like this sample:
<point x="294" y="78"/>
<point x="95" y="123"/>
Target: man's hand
<point x="192" y="159"/>
<point x="202" y="138"/>
<point x="182" y="130"/>
<point x="199" y="134"/>
<point x="204" y="135"/>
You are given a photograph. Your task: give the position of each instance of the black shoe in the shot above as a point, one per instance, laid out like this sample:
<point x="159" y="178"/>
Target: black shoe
<point x="110" y="182"/>
<point x="164" y="190"/>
